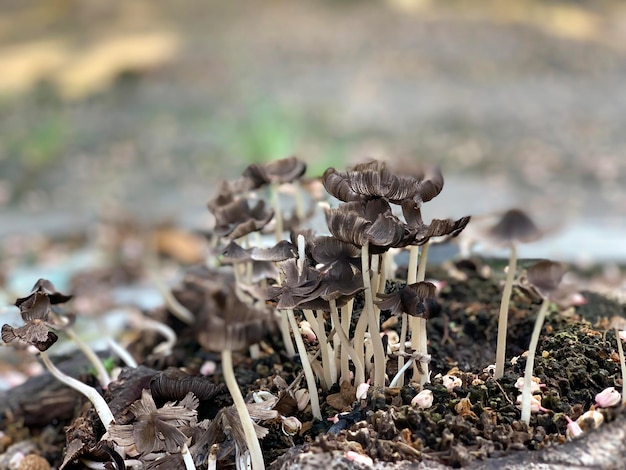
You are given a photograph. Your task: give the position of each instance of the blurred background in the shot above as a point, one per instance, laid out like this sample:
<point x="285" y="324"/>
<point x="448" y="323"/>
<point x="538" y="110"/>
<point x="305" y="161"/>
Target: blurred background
<point x="140" y="106"/>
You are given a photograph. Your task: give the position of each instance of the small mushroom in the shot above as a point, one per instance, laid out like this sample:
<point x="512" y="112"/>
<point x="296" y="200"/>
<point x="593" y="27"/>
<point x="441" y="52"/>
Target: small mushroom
<point x="547" y="274"/>
<point x="514" y="227"/>
<point x="228" y="324"/>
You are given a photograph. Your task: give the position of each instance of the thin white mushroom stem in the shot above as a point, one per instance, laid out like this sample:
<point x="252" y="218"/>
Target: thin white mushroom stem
<point x="359" y="376"/>
<point x="402" y="349"/>
<point x="187" y="458"/>
<point x="318" y="328"/>
<point x="503" y="318"/>
<point x="174" y="306"/>
<point x="419" y="338"/>
<point x="121" y="352"/>
<point x="212" y="458"/>
<point x="254" y="446"/>
<point x="306" y="366"/>
<point x="101" y="407"/>
<point x="284" y="331"/>
<point x="622" y="362"/>
<point x="346" y="320"/>
<point x="145" y="323"/>
<point x="374" y="328"/>
<point x="530" y="361"/>
<point x="103" y="376"/>
<point x="396" y="380"/>
<point x="359" y="339"/>
<point x="411" y="278"/>
<point x="382" y="278"/>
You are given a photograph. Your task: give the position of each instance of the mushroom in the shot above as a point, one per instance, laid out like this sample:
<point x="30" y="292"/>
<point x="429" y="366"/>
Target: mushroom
<point x="545" y="276"/>
<point x="226" y="324"/>
<point x="514" y="227"/>
<point x="35" y="310"/>
<point x="158" y="429"/>
<point x="275" y="173"/>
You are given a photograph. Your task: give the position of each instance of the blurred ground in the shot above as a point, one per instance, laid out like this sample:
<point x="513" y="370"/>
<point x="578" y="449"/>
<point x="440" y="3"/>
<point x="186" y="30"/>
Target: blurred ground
<point x="143" y="105"/>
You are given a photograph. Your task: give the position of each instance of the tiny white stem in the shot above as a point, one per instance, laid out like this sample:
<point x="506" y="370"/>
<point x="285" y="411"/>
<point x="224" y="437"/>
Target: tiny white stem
<point x="255" y="351"/>
<point x="103" y="410"/>
<point x="346" y="320"/>
<point x="346" y="347"/>
<point x="622" y="363"/>
<point x="145" y="323"/>
<point x="301" y="253"/>
<point x="254" y="446"/>
<point x="121" y="352"/>
<point x="419" y="338"/>
<point x="374" y="327"/>
<point x="103" y="376"/>
<point x="284" y="330"/>
<point x="400" y="375"/>
<point x="306" y="366"/>
<point x="212" y="458"/>
<point x="174" y="306"/>
<point x="320" y="332"/>
<point x="530" y="361"/>
<point x="189" y="465"/>
<point x="503" y="318"/>
<point x="402" y="348"/>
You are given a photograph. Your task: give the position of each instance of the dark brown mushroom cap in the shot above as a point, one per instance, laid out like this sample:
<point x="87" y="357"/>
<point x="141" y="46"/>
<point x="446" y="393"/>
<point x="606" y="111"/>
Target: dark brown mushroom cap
<point x="374" y="180"/>
<point x="156" y="429"/>
<point x="437" y="227"/>
<point x="285" y="170"/>
<point x="365" y="222"/>
<point x="546" y="276"/>
<point x="174" y="384"/>
<point x="515" y="226"/>
<point x="237" y="219"/>
<point x="281" y="251"/>
<point x="44" y="287"/>
<point x="296" y="285"/>
<point x="330" y="251"/>
<point x="35" y="332"/>
<point x="226" y="322"/>
<point x="417" y="300"/>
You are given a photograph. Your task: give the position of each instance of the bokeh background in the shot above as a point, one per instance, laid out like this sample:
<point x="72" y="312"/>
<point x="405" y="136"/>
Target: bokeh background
<point x="142" y="105"/>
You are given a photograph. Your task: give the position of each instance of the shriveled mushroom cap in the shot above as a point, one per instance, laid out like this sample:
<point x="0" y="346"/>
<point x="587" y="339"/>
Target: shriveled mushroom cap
<point x="285" y="170"/>
<point x="375" y="180"/>
<point x="226" y="322"/>
<point x="515" y="226"/>
<point x="546" y="276"/>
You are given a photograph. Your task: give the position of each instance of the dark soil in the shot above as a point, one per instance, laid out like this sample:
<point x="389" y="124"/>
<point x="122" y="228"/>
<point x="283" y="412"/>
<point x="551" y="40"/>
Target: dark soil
<point x="576" y="359"/>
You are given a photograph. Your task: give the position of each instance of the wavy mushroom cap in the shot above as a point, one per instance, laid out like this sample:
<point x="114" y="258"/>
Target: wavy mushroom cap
<point x="285" y="170"/>
<point x="365" y="222"/>
<point x="417" y="300"/>
<point x="546" y="276"/>
<point x="374" y="180"/>
<point x="43" y="287"/>
<point x="236" y="219"/>
<point x="515" y="226"/>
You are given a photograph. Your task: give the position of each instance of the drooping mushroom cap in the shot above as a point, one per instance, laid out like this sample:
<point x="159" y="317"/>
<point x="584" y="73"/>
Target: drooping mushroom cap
<point x="285" y="170"/>
<point x="374" y="180"/>
<point x="226" y="322"/>
<point x="437" y="228"/>
<point x="237" y="219"/>
<point x="546" y="276"/>
<point x="515" y="226"/>
<point x="369" y="221"/>
<point x="417" y="300"/>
